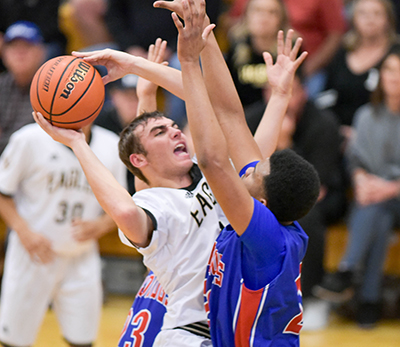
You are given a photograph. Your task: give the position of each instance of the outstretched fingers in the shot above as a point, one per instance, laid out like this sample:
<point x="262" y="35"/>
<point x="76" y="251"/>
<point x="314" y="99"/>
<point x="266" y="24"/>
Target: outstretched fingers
<point x="173" y="6"/>
<point x="300" y="59"/>
<point x="193" y="18"/>
<point x="157" y="50"/>
<point x="100" y="57"/>
<point x="288" y="43"/>
<point x="285" y="47"/>
<point x="268" y="59"/>
<point x="92" y="56"/>
<point x="280" y="43"/>
<point x="296" y="49"/>
<point x="177" y="22"/>
<point x="191" y="14"/>
<point x="201" y="16"/>
<point x="207" y="31"/>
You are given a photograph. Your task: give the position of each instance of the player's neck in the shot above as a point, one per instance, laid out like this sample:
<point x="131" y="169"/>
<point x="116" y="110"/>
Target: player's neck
<point x="172" y="181"/>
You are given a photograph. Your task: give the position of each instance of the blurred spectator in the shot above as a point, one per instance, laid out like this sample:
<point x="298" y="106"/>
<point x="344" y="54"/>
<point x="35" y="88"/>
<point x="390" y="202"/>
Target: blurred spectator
<point x="249" y="38"/>
<point x="44" y="13"/>
<point x="23" y="53"/>
<point x="132" y="24"/>
<point x="123" y="105"/>
<point x="236" y="10"/>
<point x="374" y="162"/>
<point x="83" y="24"/>
<point x="396" y="4"/>
<point x="349" y="5"/>
<point x="133" y="28"/>
<point x="321" y="24"/>
<point x="313" y="134"/>
<point x="353" y="73"/>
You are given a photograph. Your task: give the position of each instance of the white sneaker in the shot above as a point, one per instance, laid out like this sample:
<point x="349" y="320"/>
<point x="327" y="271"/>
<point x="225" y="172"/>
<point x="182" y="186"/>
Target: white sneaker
<point x="315" y="314"/>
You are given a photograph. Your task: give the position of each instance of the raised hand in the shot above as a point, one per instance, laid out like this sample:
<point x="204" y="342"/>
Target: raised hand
<point x="156" y="54"/>
<point x="65" y="136"/>
<point x="177" y="7"/>
<point x="281" y="74"/>
<point x="173" y="6"/>
<point x="192" y="37"/>
<point x="118" y="63"/>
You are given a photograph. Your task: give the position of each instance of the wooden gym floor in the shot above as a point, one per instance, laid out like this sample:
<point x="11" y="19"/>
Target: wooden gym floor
<point x="340" y="332"/>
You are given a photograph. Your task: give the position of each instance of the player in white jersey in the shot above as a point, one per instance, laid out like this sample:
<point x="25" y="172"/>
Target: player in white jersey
<point x="179" y="219"/>
<point x="52" y="255"/>
<point x="186" y="221"/>
<point x="174" y="223"/>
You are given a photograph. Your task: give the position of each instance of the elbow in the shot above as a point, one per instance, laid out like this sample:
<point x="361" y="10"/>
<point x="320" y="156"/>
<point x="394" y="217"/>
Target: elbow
<point x="208" y="162"/>
<point x="130" y="222"/>
<point x="213" y="156"/>
<point x="124" y="216"/>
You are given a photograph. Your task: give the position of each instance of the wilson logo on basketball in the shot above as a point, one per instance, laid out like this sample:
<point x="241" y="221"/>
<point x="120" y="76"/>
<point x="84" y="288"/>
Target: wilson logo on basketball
<point x="77" y="76"/>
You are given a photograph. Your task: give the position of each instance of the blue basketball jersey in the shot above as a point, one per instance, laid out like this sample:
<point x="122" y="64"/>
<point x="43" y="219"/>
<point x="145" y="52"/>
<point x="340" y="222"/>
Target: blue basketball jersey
<point x="270" y="313"/>
<point x="146" y="315"/>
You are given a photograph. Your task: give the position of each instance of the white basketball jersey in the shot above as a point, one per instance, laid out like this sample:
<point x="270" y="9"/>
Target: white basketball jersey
<point x="48" y="184"/>
<point x="188" y="223"/>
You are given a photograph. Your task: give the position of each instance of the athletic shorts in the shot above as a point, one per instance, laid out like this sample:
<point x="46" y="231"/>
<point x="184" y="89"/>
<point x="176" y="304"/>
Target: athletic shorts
<point x="71" y="285"/>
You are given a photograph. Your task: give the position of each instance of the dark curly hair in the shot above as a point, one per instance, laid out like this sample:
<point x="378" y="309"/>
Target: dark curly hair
<point x="129" y="142"/>
<point x="292" y="187"/>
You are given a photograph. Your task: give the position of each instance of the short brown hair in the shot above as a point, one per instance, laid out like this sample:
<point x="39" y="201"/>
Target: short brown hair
<point x="129" y="142"/>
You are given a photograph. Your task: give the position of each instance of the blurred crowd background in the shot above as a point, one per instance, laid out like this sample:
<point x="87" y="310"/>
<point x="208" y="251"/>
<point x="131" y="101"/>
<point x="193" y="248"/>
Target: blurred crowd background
<point x="344" y="115"/>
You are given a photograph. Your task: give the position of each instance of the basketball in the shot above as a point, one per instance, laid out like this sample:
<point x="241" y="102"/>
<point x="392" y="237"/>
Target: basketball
<point x="68" y="92"/>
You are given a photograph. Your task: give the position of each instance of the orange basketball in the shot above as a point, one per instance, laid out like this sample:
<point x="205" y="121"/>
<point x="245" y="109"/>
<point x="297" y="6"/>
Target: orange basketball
<point x="68" y="92"/>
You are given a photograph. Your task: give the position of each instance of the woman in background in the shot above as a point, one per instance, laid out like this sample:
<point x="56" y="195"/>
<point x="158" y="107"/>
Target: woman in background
<point x="373" y="155"/>
<point x="353" y="73"/>
<point x="254" y="34"/>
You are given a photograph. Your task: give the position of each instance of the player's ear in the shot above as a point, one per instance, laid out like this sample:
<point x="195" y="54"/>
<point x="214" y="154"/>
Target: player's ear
<point x="138" y="160"/>
<point x="264" y="201"/>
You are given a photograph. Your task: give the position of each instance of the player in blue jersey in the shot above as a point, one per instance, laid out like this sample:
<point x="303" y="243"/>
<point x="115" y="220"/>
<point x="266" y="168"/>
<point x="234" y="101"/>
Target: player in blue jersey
<point x="146" y="315"/>
<point x="252" y="286"/>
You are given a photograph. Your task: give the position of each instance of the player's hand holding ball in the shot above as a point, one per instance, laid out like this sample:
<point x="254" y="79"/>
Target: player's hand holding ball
<point x="117" y="63"/>
<point x="65" y="136"/>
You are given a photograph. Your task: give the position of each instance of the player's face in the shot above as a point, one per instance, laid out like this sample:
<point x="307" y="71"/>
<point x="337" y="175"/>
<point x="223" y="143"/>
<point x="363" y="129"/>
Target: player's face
<point x="254" y="177"/>
<point x="165" y="144"/>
